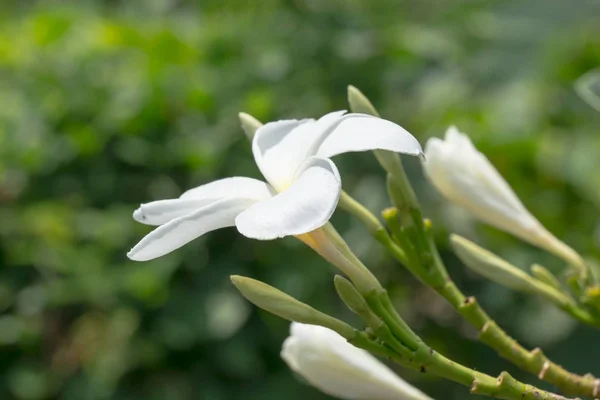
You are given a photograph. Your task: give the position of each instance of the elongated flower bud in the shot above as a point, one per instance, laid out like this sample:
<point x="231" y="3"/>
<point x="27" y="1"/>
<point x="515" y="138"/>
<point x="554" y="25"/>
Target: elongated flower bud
<point x="285" y="306"/>
<point x="249" y="124"/>
<point x="545" y="276"/>
<point x="350" y="295"/>
<point x="466" y="177"/>
<point x="359" y="103"/>
<point x="500" y="271"/>
<point x="399" y="187"/>
<point x="331" y="364"/>
<point x="490" y="265"/>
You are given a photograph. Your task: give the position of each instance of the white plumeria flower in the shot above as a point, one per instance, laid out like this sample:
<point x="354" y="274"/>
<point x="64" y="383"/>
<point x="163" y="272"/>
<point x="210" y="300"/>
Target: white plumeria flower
<point x="302" y="189"/>
<point x="466" y="177"/>
<point x="331" y="364"/>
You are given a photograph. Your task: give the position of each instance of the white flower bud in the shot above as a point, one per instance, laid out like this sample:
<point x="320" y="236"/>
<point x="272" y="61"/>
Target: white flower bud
<point x="331" y="364"/>
<point x="466" y="177"/>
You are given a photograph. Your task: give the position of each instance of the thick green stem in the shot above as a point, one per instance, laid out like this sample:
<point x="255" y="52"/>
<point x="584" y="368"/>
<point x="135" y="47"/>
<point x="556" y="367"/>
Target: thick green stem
<point x="426" y="360"/>
<point x="413" y="254"/>
<point x="399" y="328"/>
<point x="502" y="387"/>
<point x="570" y="256"/>
<point x="491" y="334"/>
<point x="533" y="361"/>
<point x="580" y="314"/>
<point x="362" y="341"/>
<point x="401" y="345"/>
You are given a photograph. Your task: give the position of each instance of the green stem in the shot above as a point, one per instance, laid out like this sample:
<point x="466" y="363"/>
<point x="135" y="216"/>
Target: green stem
<point x="361" y="340"/>
<point x="491" y="334"/>
<point x="426" y="360"/>
<point x="502" y="387"/>
<point x="375" y="227"/>
<point x="533" y="361"/>
<point x="398" y="186"/>
<point x="580" y="314"/>
<point x="570" y="256"/>
<point x="397" y="326"/>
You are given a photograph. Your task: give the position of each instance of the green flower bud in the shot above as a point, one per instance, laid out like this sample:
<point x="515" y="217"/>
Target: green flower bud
<point x="592" y="296"/>
<point x="399" y="187"/>
<point x="491" y="266"/>
<point x="359" y="102"/>
<point x="285" y="306"/>
<point x="545" y="276"/>
<point x="356" y="302"/>
<point x="500" y="271"/>
<point x="249" y="124"/>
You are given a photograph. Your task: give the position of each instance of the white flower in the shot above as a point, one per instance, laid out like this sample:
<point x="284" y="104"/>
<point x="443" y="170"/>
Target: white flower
<point x="331" y="364"/>
<point x="301" y="194"/>
<point x="466" y="177"/>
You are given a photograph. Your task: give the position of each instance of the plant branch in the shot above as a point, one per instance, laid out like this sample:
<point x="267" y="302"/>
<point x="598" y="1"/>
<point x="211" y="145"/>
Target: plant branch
<point x="424" y="359"/>
<point x="491" y="334"/>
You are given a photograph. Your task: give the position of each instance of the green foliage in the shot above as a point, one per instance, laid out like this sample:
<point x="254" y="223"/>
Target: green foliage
<point x="105" y="105"/>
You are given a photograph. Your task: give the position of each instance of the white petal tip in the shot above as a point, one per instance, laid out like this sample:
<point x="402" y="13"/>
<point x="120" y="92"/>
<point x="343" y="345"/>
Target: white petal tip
<point x="132" y="255"/>
<point x="138" y="215"/>
<point x="422" y="156"/>
<point x="138" y="253"/>
<point x="452" y="130"/>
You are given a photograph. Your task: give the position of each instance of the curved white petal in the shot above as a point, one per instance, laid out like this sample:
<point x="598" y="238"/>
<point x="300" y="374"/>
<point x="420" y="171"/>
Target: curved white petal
<point x="280" y="147"/>
<point x="162" y="211"/>
<point x="305" y="206"/>
<point x="331" y="364"/>
<point x="274" y="149"/>
<point x="179" y="231"/>
<point x="237" y="186"/>
<point x="360" y="132"/>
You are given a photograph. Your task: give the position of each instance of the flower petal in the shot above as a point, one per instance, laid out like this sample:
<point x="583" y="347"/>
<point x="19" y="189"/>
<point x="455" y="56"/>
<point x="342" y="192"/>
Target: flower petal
<point x="280" y="147"/>
<point x="270" y="142"/>
<point x="361" y="132"/>
<point x="328" y="362"/>
<point x="237" y="186"/>
<point x="305" y="206"/>
<point x="182" y="230"/>
<point x="162" y="211"/>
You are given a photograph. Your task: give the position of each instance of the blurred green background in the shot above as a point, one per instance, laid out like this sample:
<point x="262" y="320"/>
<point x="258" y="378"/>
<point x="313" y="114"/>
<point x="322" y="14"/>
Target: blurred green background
<point x="107" y="104"/>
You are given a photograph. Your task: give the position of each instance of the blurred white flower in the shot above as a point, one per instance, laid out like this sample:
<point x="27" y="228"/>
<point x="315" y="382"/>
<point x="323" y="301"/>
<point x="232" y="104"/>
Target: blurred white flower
<point x="588" y="88"/>
<point x="466" y="177"/>
<point x="301" y="194"/>
<point x="331" y="364"/>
